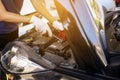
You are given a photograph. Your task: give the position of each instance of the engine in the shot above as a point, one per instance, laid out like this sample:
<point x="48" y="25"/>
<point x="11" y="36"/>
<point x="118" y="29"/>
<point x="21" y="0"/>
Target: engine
<point x="55" y="49"/>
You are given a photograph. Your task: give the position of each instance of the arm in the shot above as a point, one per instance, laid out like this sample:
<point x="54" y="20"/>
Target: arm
<point x="11" y="17"/>
<point x="42" y="9"/>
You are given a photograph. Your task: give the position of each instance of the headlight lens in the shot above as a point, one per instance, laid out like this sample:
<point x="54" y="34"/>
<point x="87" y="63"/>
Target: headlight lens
<point x="20" y="58"/>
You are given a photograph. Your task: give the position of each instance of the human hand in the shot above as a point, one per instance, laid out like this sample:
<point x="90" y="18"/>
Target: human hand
<point x="41" y="25"/>
<point x="58" y="25"/>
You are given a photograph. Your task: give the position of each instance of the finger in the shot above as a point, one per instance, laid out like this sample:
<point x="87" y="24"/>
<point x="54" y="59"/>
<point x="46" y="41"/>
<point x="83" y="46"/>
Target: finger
<point x="49" y="32"/>
<point x="61" y="26"/>
<point x="40" y="29"/>
<point x="44" y="31"/>
<point x="37" y="29"/>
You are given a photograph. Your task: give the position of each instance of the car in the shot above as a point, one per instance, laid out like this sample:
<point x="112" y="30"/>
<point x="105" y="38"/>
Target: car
<point x="87" y="49"/>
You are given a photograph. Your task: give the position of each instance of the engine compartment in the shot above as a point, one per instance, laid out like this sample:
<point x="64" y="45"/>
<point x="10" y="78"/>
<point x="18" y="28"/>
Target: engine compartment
<point x="54" y="49"/>
<point x="113" y="34"/>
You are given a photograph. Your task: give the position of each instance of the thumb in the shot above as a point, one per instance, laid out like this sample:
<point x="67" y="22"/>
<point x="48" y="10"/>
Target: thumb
<point x="49" y="32"/>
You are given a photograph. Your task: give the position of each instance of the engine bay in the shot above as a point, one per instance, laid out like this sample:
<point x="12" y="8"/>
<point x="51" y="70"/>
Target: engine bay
<point x="113" y="33"/>
<point x="55" y="49"/>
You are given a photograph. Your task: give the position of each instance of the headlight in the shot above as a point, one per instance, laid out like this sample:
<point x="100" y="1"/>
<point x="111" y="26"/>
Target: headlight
<point x="20" y="58"/>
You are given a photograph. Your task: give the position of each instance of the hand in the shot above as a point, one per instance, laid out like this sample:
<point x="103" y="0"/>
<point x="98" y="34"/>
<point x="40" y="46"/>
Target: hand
<point x="41" y="25"/>
<point x="58" y="25"/>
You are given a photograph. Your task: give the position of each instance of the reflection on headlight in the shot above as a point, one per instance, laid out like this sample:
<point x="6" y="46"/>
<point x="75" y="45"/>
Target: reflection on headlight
<point x="24" y="65"/>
